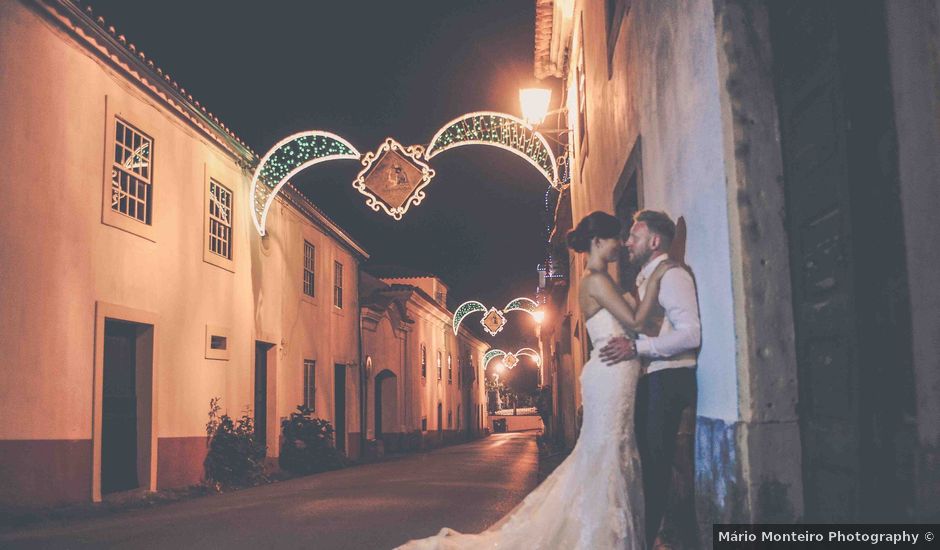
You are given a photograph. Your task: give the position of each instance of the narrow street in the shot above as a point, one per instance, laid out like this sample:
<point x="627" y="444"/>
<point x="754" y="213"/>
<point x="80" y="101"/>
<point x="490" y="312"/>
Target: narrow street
<point x="466" y="487"/>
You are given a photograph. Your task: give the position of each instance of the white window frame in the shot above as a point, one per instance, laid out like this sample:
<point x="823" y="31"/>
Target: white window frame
<point x="337" y="284"/>
<point x="310" y="266"/>
<point x="128" y="113"/>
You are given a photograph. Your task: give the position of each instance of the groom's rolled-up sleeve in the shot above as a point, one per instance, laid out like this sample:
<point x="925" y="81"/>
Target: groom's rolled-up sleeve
<point x="677" y="296"/>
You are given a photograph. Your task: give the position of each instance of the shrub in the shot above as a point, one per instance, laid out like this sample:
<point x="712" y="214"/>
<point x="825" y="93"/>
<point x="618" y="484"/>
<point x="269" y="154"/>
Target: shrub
<point x="307" y="444"/>
<point x="234" y="457"/>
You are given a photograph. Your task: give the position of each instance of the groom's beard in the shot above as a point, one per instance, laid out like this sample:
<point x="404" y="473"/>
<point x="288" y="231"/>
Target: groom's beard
<point x="639" y="260"/>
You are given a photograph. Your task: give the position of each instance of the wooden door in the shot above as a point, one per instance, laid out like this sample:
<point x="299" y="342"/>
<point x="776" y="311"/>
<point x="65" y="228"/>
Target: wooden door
<point x="119" y="408"/>
<point x="846" y="249"/>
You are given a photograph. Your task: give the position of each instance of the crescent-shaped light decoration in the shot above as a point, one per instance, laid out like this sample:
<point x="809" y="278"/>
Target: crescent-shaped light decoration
<point x="521" y="304"/>
<point x="492" y="354"/>
<point x="529" y="352"/>
<point x="498" y="130"/>
<point x="289" y="156"/>
<point x="466" y="308"/>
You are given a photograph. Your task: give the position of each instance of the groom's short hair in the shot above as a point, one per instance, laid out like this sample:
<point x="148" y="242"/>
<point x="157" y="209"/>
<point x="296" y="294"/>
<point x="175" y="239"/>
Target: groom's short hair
<point x="659" y="223"/>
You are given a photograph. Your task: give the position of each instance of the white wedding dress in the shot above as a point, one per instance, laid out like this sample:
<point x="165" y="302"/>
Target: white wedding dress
<point x="594" y="499"/>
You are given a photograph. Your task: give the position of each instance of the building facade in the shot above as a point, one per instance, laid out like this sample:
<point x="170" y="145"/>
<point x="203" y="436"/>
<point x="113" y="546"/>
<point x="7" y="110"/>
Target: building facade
<point x="134" y="287"/>
<point x="795" y="144"/>
<point x="426" y="383"/>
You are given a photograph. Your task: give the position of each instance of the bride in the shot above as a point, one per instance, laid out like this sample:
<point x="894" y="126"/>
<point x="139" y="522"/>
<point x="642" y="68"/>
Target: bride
<point x="594" y="499"/>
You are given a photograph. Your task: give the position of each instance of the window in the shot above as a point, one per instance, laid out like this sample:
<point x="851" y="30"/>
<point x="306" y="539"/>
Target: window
<point x="458" y="417"/>
<point x="440" y="367"/>
<point x="450" y="419"/>
<point x="338" y="285"/>
<point x="309" y="265"/>
<point x="424" y="423"/>
<point x="460" y="368"/>
<point x="131" y="191"/>
<point x="450" y="370"/>
<point x="616" y="11"/>
<point x="424" y="361"/>
<point x="580" y="78"/>
<point x="310" y="384"/>
<point x="220" y="220"/>
<point x="217" y="338"/>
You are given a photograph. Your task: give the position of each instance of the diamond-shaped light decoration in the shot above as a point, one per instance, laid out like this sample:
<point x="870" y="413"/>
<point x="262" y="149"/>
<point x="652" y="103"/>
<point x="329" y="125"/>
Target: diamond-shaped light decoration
<point x="510" y="361"/>
<point x="393" y="178"/>
<point x="493" y="321"/>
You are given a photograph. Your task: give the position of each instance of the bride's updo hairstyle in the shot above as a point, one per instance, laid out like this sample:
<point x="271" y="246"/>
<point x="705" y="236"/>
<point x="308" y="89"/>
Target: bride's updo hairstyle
<point x="596" y="224"/>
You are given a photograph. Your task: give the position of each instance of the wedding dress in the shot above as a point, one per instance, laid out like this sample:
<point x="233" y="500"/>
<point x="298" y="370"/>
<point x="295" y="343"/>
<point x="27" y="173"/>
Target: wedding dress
<point x="594" y="499"/>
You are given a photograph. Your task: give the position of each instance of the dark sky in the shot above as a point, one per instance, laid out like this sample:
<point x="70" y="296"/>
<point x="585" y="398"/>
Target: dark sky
<point x="366" y="71"/>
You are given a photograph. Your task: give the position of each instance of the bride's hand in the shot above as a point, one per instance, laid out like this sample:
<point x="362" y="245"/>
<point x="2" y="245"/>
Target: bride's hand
<point x="661" y="270"/>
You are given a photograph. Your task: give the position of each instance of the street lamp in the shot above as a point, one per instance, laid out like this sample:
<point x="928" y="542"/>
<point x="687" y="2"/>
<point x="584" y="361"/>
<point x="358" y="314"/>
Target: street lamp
<point x="534" y="102"/>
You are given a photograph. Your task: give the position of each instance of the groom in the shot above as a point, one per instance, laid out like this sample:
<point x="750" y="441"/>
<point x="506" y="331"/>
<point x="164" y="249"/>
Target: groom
<point x="666" y="394"/>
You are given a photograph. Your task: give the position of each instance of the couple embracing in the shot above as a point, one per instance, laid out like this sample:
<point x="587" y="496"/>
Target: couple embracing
<point x="628" y="482"/>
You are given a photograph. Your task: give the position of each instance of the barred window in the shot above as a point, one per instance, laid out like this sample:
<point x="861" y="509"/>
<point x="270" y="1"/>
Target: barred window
<point x="310" y="384"/>
<point x="440" y="367"/>
<point x="338" y="285"/>
<point x="309" y="265"/>
<point x="131" y="191"/>
<point x="424" y="361"/>
<point x="450" y="370"/>
<point x="220" y="220"/>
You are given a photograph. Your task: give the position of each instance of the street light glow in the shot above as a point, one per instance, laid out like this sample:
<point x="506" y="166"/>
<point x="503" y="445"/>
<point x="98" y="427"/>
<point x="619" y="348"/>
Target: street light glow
<point x="534" y="102"/>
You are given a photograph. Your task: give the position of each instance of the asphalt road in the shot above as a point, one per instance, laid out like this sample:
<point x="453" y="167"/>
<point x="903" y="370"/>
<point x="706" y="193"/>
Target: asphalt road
<point x="466" y="487"/>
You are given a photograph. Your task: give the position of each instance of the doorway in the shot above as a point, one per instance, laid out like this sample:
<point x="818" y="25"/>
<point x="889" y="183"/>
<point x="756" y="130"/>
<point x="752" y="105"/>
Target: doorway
<point x="119" y="453"/>
<point x="261" y="392"/>
<point x="386" y="402"/>
<point x="339" y="407"/>
<point x="850" y="300"/>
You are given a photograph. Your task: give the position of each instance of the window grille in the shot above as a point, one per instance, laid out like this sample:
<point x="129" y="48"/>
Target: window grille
<point x="131" y="171"/>
<point x="309" y="265"/>
<point x="220" y="220"/>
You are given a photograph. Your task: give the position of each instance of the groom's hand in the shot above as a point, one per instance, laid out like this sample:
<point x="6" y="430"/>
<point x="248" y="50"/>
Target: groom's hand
<point x="618" y="348"/>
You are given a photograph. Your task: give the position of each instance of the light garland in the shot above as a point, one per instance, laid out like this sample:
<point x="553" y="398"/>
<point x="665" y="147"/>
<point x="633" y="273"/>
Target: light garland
<point x="521" y="304"/>
<point x="511" y="359"/>
<point x="495" y="319"/>
<point x="490" y="355"/>
<point x="289" y="156"/>
<point x="405" y="174"/>
<point x="498" y="130"/>
<point x="466" y="308"/>
<point x="393" y="178"/>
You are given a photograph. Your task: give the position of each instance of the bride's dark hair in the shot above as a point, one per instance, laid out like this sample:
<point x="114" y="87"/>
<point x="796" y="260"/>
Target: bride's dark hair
<point x="596" y="224"/>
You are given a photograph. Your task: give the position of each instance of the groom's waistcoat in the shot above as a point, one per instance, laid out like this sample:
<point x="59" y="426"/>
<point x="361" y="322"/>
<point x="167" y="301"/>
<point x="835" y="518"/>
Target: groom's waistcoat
<point x="680" y="335"/>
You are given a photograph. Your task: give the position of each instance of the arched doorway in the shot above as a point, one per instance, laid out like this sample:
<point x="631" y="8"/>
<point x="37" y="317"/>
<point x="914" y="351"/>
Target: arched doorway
<point x="386" y="402"/>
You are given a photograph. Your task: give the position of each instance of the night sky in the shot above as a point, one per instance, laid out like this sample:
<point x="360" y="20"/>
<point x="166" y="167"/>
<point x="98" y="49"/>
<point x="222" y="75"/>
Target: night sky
<point x="367" y="71"/>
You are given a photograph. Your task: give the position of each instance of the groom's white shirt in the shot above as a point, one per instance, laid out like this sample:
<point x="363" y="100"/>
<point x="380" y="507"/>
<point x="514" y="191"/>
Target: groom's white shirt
<point x="681" y="333"/>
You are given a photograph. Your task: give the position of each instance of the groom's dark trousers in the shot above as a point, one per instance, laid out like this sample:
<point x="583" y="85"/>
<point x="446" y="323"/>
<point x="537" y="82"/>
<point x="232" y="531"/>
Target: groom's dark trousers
<point x="665" y="431"/>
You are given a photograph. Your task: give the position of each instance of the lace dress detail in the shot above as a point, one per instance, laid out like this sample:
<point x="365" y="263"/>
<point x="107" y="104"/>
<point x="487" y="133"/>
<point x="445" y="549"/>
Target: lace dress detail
<point x="594" y="499"/>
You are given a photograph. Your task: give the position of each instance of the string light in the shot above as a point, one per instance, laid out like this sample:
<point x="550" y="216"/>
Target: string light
<point x="511" y="359"/>
<point x="466" y="308"/>
<point x="289" y="156"/>
<point x="498" y="130"/>
<point x="495" y="319"/>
